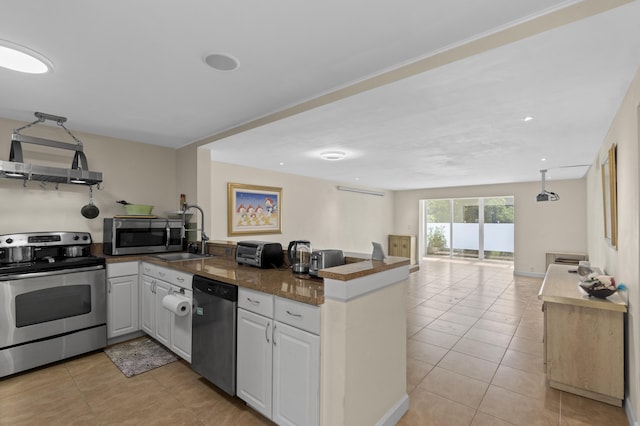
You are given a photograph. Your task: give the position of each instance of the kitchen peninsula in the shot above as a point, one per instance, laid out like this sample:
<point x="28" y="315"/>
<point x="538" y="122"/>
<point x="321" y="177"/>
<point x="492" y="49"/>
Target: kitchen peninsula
<point x="362" y="329"/>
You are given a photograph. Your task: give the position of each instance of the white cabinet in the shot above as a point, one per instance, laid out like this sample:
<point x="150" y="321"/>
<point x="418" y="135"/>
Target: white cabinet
<point x="171" y="330"/>
<point x="122" y="299"/>
<point x="278" y="361"/>
<point x="147" y="305"/>
<point x="180" y="329"/>
<point x="163" y="316"/>
<point x="254" y="361"/>
<point x="296" y="364"/>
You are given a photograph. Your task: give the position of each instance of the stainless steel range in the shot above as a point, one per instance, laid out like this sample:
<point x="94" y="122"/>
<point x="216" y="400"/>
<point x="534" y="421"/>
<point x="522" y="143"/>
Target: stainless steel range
<point x="53" y="299"/>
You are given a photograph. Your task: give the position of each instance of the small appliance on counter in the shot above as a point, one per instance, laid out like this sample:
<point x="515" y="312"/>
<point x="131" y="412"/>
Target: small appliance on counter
<point x="261" y="254"/>
<point x="322" y="259"/>
<point x="299" y="253"/>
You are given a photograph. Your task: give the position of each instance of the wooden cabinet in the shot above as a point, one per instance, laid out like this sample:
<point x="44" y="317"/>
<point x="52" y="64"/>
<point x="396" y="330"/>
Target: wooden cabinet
<point x="584" y="338"/>
<point x="403" y="246"/>
<point x="171" y="330"/>
<point x="278" y="363"/>
<point x="122" y="299"/>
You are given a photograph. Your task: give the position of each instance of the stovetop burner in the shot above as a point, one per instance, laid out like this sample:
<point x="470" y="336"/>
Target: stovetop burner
<point x="32" y="252"/>
<point x="42" y="265"/>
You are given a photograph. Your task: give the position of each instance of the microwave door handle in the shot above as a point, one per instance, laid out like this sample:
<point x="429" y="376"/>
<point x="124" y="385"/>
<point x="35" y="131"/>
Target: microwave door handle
<point x="168" y="230"/>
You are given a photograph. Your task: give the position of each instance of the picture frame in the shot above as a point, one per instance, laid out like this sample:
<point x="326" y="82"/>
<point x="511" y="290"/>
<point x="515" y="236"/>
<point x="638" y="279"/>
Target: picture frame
<point x="253" y="209"/>
<point x="608" y="168"/>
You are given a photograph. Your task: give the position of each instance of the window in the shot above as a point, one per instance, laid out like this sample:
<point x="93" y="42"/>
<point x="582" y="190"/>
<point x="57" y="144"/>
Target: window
<point x="477" y="228"/>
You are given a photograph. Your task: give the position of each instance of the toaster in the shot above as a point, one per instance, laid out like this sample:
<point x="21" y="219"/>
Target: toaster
<point x="261" y="254"/>
<point x="321" y="259"/>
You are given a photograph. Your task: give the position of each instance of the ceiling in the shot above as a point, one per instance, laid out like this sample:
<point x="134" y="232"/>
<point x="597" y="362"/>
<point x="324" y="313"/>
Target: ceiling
<point x="371" y="79"/>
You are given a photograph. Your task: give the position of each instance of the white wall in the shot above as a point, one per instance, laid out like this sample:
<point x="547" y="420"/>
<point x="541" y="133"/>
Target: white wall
<point x="558" y="226"/>
<point x="312" y="209"/>
<point x="136" y="172"/>
<point x="623" y="263"/>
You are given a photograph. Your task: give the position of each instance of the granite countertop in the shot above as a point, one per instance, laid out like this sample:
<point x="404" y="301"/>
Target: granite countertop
<point x="281" y="282"/>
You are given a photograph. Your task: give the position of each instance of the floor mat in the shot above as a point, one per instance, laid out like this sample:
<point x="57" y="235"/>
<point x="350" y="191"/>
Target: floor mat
<point x="140" y="355"/>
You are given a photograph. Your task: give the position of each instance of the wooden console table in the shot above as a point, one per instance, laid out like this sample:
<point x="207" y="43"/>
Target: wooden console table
<point x="584" y="338"/>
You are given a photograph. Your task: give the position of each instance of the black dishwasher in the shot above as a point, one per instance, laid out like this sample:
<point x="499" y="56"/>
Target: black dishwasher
<point x="213" y="347"/>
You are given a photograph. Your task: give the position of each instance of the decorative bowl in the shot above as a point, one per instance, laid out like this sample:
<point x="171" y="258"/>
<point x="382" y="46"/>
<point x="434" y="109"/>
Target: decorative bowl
<point x="137" y="209"/>
<point x="600" y="293"/>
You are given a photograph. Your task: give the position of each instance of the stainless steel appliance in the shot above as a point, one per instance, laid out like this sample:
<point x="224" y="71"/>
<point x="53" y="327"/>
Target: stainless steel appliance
<point x="299" y="253"/>
<point x="259" y="253"/>
<point x="141" y="235"/>
<point x="53" y="299"/>
<point x="213" y="340"/>
<point x="321" y="259"/>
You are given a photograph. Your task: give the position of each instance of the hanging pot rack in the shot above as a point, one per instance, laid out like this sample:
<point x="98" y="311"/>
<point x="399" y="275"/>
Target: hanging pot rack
<point x="16" y="168"/>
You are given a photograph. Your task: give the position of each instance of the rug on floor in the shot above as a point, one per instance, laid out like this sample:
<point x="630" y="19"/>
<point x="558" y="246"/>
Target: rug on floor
<point x="140" y="355"/>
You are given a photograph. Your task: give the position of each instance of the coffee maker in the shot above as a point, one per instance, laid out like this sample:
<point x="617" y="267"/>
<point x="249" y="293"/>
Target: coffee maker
<point x="299" y="253"/>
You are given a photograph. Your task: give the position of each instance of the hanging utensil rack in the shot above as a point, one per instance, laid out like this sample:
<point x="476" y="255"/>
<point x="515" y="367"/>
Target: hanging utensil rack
<point x="16" y="168"/>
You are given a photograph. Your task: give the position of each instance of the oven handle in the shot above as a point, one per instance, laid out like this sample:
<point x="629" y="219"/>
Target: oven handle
<point x="49" y="273"/>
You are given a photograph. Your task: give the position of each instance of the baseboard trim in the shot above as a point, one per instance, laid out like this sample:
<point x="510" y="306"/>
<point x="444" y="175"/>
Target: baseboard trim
<point x="396" y="412"/>
<point x="629" y="412"/>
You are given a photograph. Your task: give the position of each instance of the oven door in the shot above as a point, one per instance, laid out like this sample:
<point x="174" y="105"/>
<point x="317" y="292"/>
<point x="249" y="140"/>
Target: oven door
<point x="48" y="304"/>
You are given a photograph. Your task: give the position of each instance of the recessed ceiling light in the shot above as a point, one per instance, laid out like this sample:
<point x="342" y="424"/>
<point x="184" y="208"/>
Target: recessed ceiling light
<point x="281" y="163"/>
<point x="22" y="59"/>
<point x="527" y="118"/>
<point x="222" y="62"/>
<point x="332" y="155"/>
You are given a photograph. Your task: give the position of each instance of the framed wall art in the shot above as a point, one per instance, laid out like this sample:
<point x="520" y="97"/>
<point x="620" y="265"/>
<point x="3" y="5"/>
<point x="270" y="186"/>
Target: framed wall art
<point x="253" y="210"/>
<point x="609" y="197"/>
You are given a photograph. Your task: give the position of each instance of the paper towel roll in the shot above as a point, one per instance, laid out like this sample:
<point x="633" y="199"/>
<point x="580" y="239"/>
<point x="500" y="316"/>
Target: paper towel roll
<point x="176" y="303"/>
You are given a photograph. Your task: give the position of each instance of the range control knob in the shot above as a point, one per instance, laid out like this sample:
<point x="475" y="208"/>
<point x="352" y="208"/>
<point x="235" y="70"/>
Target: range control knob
<point x="9" y="240"/>
<point x="85" y="237"/>
<point x="76" y="238"/>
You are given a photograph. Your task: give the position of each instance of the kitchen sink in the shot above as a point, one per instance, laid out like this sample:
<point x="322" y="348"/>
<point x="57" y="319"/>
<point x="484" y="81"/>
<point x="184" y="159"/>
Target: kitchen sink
<point x="174" y="257"/>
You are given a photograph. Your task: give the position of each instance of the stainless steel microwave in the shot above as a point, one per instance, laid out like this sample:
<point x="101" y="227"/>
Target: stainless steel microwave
<point x="139" y="236"/>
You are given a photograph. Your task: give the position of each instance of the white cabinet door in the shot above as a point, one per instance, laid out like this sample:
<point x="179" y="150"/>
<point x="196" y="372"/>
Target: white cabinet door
<point x="296" y="376"/>
<point x="122" y="305"/>
<point x="181" y="330"/>
<point x="148" y="305"/>
<point x="164" y="317"/>
<point x="254" y="361"/>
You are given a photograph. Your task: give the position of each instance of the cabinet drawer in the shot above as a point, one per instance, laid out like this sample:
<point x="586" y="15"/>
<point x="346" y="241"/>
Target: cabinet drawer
<point x="296" y="314"/>
<point x="148" y="269"/>
<point x="163" y="273"/>
<point x="182" y="279"/>
<point x="255" y="301"/>
<point x="122" y="269"/>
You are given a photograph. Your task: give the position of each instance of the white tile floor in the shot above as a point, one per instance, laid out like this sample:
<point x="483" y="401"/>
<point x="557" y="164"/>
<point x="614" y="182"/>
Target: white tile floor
<point x="474" y="357"/>
<point x="475" y="351"/>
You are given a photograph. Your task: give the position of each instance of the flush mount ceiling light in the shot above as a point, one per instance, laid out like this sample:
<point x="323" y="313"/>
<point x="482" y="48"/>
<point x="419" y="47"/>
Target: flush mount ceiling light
<point x="332" y="155"/>
<point x="22" y="59"/>
<point x="527" y="118"/>
<point x="222" y="62"/>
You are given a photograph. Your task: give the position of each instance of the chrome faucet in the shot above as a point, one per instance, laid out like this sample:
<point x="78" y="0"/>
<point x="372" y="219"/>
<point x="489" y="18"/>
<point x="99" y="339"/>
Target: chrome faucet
<point x="203" y="236"/>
